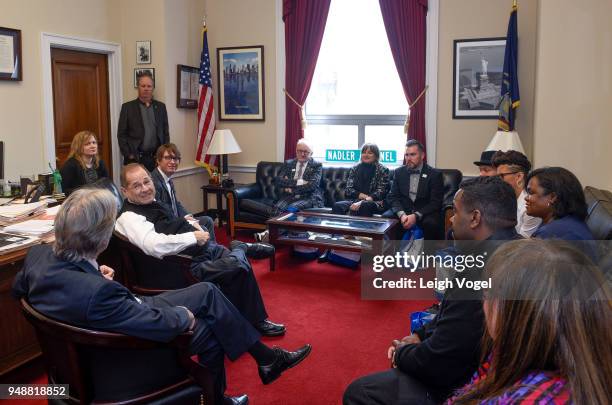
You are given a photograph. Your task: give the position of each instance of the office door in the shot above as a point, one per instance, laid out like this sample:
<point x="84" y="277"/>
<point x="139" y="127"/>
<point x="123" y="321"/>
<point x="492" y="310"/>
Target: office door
<point x="80" y="100"/>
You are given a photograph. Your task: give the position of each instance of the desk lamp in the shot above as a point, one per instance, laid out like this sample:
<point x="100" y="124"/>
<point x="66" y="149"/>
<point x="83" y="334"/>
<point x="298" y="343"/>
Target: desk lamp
<point x="224" y="143"/>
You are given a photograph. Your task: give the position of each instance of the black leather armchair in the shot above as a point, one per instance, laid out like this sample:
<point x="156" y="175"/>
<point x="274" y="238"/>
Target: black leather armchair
<point x="599" y="212"/>
<point x="113" y="368"/>
<point x="333" y="184"/>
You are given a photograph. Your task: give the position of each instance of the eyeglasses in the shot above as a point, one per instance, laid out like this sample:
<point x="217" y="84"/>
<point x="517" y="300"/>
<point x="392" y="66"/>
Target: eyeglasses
<point x="501" y="175"/>
<point x="139" y="186"/>
<point x="303" y="152"/>
<point x="170" y="158"/>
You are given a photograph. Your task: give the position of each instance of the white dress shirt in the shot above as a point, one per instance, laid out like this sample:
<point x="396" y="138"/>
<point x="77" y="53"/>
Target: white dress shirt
<point x="525" y="224"/>
<point x="300" y="179"/>
<point x="141" y="233"/>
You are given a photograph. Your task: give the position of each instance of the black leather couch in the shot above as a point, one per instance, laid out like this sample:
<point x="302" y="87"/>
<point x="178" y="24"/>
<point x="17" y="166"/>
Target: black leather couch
<point x="333" y="184"/>
<point x="599" y="213"/>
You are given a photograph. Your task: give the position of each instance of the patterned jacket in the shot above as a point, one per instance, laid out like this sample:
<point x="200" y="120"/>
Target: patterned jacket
<point x="379" y="186"/>
<point x="312" y="176"/>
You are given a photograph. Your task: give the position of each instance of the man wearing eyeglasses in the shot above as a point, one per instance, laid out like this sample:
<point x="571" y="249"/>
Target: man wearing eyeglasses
<point x="297" y="187"/>
<point x="168" y="158"/>
<point x="148" y="225"/>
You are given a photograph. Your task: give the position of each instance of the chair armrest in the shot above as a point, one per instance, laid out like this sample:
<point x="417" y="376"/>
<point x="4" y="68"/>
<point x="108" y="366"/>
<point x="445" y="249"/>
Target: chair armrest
<point x="247" y="191"/>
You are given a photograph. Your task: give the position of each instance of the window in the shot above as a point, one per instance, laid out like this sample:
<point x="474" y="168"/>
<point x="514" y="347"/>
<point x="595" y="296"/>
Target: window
<point x="356" y="95"/>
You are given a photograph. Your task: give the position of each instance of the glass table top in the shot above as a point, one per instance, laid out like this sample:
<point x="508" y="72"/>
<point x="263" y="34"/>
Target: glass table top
<point x="334" y="222"/>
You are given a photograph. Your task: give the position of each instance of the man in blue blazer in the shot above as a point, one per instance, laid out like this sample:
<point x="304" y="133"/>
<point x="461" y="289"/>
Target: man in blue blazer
<point x="297" y="186"/>
<point x="64" y="282"/>
<point x="168" y="158"/>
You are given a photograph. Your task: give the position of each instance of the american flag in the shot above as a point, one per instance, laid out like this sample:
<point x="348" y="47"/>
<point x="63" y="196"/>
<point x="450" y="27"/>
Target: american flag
<point x="206" y="110"/>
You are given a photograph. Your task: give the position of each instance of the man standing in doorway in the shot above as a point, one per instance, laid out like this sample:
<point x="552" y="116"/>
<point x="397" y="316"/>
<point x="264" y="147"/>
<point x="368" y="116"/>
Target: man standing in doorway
<point x="143" y="125"/>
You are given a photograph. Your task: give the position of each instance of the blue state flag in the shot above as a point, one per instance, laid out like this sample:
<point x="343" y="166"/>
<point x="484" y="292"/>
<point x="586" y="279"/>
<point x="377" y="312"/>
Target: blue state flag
<point x="510" y="98"/>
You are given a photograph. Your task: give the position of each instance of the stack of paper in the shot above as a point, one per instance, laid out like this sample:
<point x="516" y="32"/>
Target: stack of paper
<point x="10" y="214"/>
<point x="42" y="228"/>
<point x="10" y="242"/>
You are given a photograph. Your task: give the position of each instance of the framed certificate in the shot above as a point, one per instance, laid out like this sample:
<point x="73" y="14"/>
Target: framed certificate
<point x="187" y="86"/>
<point x="10" y="54"/>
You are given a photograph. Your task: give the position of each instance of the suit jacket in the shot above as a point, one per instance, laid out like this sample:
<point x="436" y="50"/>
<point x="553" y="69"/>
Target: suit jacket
<point x="130" y="133"/>
<point x="379" y="185"/>
<point x="73" y="175"/>
<point x="163" y="196"/>
<point x="449" y="352"/>
<point x="78" y="294"/>
<point x="312" y="176"/>
<point x="430" y="192"/>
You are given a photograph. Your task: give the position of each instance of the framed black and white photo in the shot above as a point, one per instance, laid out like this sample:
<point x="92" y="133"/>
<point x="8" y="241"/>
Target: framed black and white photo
<point x="10" y="54"/>
<point x="143" y="52"/>
<point x="478" y="67"/>
<point x="241" y="83"/>
<point x="138" y="72"/>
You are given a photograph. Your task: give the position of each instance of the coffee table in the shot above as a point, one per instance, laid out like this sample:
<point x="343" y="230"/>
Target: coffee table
<point x="322" y="231"/>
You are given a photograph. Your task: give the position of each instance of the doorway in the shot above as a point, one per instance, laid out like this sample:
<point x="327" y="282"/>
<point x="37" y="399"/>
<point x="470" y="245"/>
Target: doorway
<point x="80" y="100"/>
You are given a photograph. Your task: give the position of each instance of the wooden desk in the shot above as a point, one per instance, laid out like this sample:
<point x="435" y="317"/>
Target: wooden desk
<point x="18" y="343"/>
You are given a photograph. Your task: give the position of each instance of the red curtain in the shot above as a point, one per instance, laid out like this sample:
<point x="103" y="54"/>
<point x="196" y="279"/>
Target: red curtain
<point x="405" y="22"/>
<point x="304" y="26"/>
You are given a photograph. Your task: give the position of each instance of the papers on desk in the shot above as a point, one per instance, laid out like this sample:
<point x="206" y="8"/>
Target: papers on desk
<point x="10" y="214"/>
<point x="10" y="242"/>
<point x="41" y="228"/>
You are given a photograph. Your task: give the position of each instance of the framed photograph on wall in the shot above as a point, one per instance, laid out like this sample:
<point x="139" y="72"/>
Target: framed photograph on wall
<point x="187" y="86"/>
<point x="10" y="54"/>
<point x="138" y="72"/>
<point x="143" y="52"/>
<point x="241" y="83"/>
<point x="478" y="68"/>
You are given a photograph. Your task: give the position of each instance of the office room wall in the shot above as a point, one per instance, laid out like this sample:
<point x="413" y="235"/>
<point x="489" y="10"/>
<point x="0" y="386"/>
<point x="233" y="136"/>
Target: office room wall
<point x="21" y="111"/>
<point x="574" y="89"/>
<point x="460" y="141"/>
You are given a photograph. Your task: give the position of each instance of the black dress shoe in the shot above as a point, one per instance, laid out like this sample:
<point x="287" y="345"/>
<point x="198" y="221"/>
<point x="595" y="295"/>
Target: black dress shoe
<point x="254" y="250"/>
<point x="239" y="400"/>
<point x="323" y="257"/>
<point x="269" y="328"/>
<point x="283" y="360"/>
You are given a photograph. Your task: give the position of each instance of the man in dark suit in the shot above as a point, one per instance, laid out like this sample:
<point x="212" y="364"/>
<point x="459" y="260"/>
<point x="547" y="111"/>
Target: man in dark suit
<point x="297" y="183"/>
<point x="151" y="227"/>
<point x="168" y="158"/>
<point x="143" y="125"/>
<point x="64" y="282"/>
<point x="442" y="356"/>
<point x="416" y="193"/>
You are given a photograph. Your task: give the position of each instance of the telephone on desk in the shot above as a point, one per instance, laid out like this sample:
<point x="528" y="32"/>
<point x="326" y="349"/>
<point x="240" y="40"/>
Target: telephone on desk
<point x="34" y="193"/>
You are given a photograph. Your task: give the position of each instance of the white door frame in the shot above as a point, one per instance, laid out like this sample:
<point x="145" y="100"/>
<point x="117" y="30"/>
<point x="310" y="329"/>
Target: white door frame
<point x="113" y="52"/>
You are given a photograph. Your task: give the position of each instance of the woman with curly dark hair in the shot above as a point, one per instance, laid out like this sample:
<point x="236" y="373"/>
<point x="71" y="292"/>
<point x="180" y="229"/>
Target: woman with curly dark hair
<point x="555" y="195"/>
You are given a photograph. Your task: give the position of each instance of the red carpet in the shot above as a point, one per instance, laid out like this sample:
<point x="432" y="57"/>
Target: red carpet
<point x="321" y="305"/>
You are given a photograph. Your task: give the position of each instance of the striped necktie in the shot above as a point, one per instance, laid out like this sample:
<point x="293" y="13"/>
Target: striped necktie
<point x="173" y="197"/>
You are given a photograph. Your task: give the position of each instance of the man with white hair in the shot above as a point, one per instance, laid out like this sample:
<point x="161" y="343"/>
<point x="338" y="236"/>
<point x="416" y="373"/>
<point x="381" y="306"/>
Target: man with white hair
<point x="297" y="183"/>
<point x="65" y="282"/>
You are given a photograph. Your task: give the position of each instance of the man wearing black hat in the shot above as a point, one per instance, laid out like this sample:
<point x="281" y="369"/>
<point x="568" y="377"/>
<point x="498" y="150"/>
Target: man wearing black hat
<point x="485" y="165"/>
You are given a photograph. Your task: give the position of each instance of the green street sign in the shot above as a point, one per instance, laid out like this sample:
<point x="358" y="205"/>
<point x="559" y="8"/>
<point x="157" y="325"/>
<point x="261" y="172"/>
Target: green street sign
<point x="352" y="155"/>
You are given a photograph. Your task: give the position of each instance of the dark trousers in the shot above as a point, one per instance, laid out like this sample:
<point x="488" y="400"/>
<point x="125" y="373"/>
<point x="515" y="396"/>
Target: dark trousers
<point x="219" y="329"/>
<point x="232" y="273"/>
<point x="145" y="159"/>
<point x="389" y="387"/>
<point x="208" y="225"/>
<point x="366" y="208"/>
<point x="269" y="209"/>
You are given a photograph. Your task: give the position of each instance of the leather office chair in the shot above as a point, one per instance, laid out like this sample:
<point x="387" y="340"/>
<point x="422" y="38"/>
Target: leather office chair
<point x="113" y="368"/>
<point x="148" y="275"/>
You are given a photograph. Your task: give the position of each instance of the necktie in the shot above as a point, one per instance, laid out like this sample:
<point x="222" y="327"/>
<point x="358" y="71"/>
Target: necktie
<point x="173" y="197"/>
<point x="300" y="171"/>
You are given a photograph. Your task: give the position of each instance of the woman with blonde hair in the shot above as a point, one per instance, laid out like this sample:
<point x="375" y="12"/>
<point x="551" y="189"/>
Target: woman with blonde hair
<point x="84" y="165"/>
<point x="547" y="314"/>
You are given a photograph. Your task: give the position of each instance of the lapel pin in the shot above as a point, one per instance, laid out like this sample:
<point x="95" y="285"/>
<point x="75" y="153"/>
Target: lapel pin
<point x="424" y="175"/>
